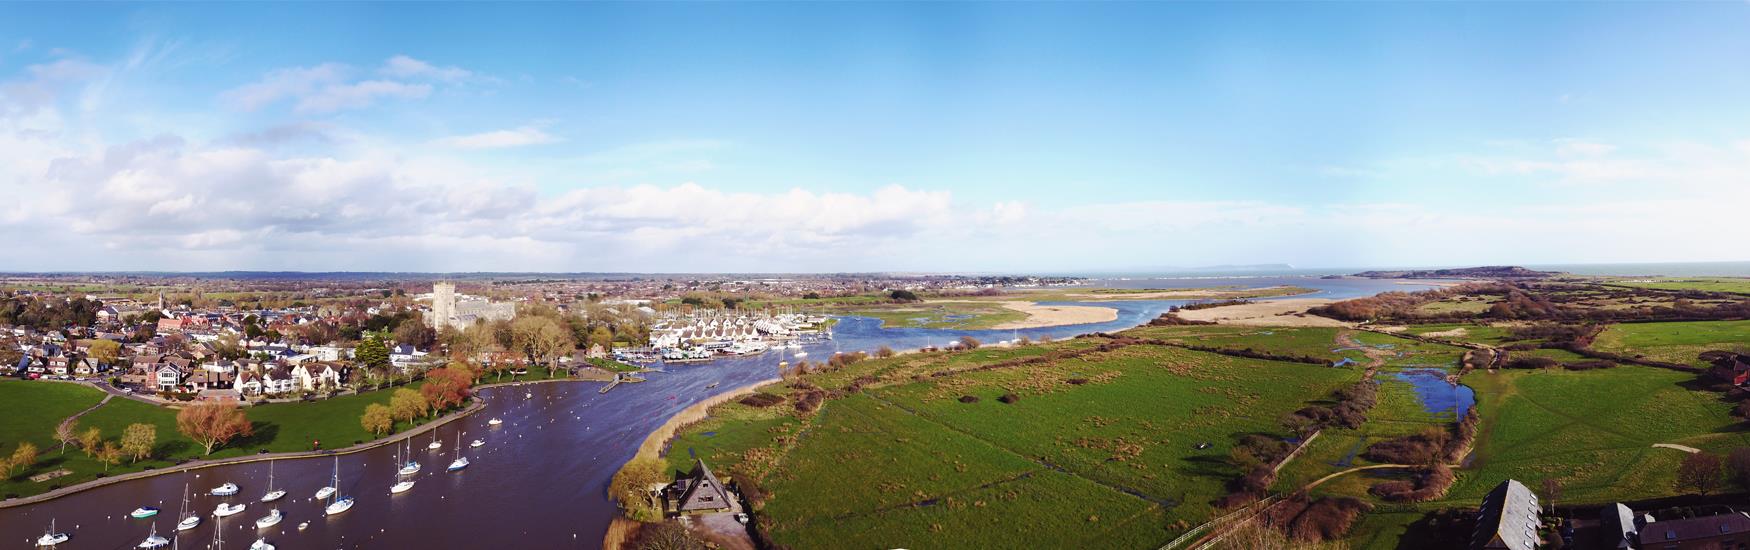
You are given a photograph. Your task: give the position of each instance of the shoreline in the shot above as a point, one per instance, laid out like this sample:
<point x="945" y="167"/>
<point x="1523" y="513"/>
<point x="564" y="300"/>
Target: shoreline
<point x="475" y="405"/>
<point x="654" y="443"/>
<point x="1042" y="315"/>
<point x="1290" y="312"/>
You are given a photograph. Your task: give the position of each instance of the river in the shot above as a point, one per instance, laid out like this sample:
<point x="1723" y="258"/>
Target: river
<point x="540" y="481"/>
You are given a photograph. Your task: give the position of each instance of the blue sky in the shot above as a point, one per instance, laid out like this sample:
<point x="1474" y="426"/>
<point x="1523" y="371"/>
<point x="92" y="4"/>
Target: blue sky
<point x="881" y="136"/>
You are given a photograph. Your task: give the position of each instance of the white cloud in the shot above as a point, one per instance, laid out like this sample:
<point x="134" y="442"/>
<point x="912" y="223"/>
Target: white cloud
<point x="281" y="84"/>
<point x="335" y="97"/>
<point x="402" y="66"/>
<point x="499" y="139"/>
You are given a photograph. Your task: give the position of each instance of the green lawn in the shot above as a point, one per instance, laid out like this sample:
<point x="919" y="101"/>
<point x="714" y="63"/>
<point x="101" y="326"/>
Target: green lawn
<point x="943" y="315"/>
<point x="279" y="427"/>
<point x="1737" y="285"/>
<point x="1674" y="342"/>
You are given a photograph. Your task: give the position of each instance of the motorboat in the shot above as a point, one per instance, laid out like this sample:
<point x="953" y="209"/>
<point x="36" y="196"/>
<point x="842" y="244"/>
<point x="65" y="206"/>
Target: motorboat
<point x="143" y="512"/>
<point x="50" y="537"/>
<point x="261" y="544"/>
<point x="494" y="422"/>
<point x="271" y="519"/>
<point x="401" y="487"/>
<point x="225" y="490"/>
<point x="477" y="443"/>
<point x="153" y="540"/>
<point x="227" y="510"/>
<point x="339" y="505"/>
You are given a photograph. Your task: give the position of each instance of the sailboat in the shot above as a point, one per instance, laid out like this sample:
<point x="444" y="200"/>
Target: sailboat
<point x="435" y="445"/>
<point x="411" y="466"/>
<point x="51" y="538"/>
<point x="261" y="544"/>
<point x="271" y="519"/>
<point x="189" y="521"/>
<point x="325" y="492"/>
<point x="153" y="540"/>
<point x="461" y="461"/>
<point x="340" y="503"/>
<point x="402" y="484"/>
<point x="219" y="534"/>
<point x="272" y="493"/>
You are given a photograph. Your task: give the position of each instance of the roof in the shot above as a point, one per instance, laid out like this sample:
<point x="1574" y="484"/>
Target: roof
<point x="1508" y="519"/>
<point x="1618" y="523"/>
<point x="1678" y="530"/>
<point x="701" y="490"/>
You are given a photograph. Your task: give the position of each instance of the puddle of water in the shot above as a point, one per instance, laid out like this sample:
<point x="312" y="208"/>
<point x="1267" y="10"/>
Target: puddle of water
<point x="1443" y="399"/>
<point x="1344" y="363"/>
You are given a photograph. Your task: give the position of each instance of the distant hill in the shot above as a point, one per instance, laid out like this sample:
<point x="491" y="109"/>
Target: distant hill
<point x="1485" y="272"/>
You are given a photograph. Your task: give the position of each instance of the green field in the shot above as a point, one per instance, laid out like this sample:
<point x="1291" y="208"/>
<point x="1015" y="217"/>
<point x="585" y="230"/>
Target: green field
<point x="1109" y="462"/>
<point x="1674" y="342"/>
<point x="1462" y="332"/>
<point x="942" y="315"/>
<point x="1736" y="285"/>
<point x="33" y="409"/>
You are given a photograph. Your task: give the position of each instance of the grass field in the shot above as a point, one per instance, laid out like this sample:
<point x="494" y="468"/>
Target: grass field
<point x="1674" y="342"/>
<point x="945" y="315"/>
<point x="1736" y="285"/>
<point x="1109" y="462"/>
<point x="1462" y="332"/>
<point x="33" y="409"/>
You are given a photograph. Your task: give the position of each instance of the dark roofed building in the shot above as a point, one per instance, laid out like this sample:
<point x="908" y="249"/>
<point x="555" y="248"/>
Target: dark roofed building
<point x="1712" y="532"/>
<point x="1618" y="526"/>
<point x="697" y="491"/>
<point x="1508" y="519"/>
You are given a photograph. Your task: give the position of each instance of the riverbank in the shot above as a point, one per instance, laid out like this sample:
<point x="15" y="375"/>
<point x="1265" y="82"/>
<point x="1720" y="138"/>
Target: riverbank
<point x="658" y="438"/>
<point x="474" y="405"/>
<point x="1281" y="313"/>
<point x="1043" y="315"/>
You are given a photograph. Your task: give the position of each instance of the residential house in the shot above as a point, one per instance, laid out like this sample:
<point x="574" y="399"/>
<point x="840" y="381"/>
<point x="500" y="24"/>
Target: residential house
<point x="697" y="491"/>
<point x="1508" y="519"/>
<point x="1724" y="531"/>
<point x="403" y="356"/>
<point x="318" y="375"/>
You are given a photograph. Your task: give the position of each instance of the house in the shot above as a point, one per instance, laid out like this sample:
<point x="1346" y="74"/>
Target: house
<point x="405" y="355"/>
<point x="168" y="376"/>
<point x="1709" y="533"/>
<point x="312" y="376"/>
<point x="698" y="491"/>
<point x="1508" y="519"/>
<point x="1618" y="526"/>
<point x="1728" y="366"/>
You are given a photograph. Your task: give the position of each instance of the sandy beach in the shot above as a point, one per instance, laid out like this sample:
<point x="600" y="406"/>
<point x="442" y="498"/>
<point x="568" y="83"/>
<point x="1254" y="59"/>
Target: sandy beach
<point x="1050" y="316"/>
<point x="1281" y="313"/>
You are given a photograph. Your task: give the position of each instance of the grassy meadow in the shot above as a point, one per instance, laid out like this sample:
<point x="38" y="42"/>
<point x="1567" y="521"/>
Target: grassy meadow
<point x="1674" y="342"/>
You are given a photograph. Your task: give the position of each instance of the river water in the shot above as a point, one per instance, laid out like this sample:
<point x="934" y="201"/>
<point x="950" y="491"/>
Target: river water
<point x="540" y="481"/>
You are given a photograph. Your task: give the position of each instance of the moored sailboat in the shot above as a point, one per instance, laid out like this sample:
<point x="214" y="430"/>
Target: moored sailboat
<point x="51" y="537"/>
<point x="272" y="493"/>
<point x="188" y="521"/>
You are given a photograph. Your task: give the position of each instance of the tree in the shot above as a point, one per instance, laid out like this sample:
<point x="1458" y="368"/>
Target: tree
<point x="106" y="351"/>
<point x="601" y="336"/>
<point x="903" y="296"/>
<point x="377" y="419"/>
<point x="541" y="339"/>
<point x="631" y="488"/>
<point x="415" y="333"/>
<point x="68" y="434"/>
<point x="447" y="386"/>
<point x="138" y="440"/>
<point x="667" y="535"/>
<point x="213" y="424"/>
<point x="1552" y="490"/>
<point x="884" y="351"/>
<point x="108" y="454"/>
<point x="1699" y="472"/>
<point x="89" y="440"/>
<point x="406" y="405"/>
<point x="968" y="342"/>
<point x="370" y="353"/>
<point x="22" y="458"/>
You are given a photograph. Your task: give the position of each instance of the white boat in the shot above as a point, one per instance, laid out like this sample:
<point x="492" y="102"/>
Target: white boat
<point x="226" y="510"/>
<point x="494" y="422"/>
<point x="153" y="540"/>
<point x="477" y="443"/>
<point x="800" y="354"/>
<point x="261" y="544"/>
<point x="271" y="519"/>
<point x="143" y="512"/>
<point x="401" y="487"/>
<point x="409" y="467"/>
<point x="50" y="537"/>
<point x="324" y="493"/>
<point x="334" y="486"/>
<point x="225" y="490"/>
<point x="272" y="493"/>
<point x="528" y="395"/>
<point x="435" y="444"/>
<point x="461" y="461"/>
<point x="303" y="526"/>
<point x="340" y="503"/>
<point x="189" y="520"/>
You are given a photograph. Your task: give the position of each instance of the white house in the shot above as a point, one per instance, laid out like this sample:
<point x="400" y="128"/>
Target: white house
<point x="311" y="376"/>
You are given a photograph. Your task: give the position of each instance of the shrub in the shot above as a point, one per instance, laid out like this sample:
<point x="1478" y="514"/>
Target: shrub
<point x="968" y="399"/>
<point x="1429" y="485"/>
<point x="1009" y="398"/>
<point x="761" y="400"/>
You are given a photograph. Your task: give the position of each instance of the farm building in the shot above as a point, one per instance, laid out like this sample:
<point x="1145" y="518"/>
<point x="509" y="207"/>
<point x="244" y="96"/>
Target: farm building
<point x="1711" y="532"/>
<point x="696" y="492"/>
<point x="1508" y="519"/>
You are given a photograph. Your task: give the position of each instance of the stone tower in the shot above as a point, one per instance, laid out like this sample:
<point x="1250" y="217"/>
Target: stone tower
<point x="443" y="303"/>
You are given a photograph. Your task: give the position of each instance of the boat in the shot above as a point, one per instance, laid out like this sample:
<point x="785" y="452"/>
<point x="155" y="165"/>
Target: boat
<point x="226" y="509"/>
<point x="435" y="444"/>
<point x="189" y="521"/>
<point x="261" y="544"/>
<point x="477" y="443"/>
<point x="339" y="503"/>
<point x="325" y="492"/>
<point x="225" y="490"/>
<point x="50" y="537"/>
<point x="272" y="493"/>
<point x="494" y="422"/>
<point x="528" y="395"/>
<point x="711" y="385"/>
<point x="461" y="461"/>
<point x="303" y="526"/>
<point x="402" y="484"/>
<point x="411" y="466"/>
<point x="271" y="519"/>
<point x="143" y="512"/>
<point x="800" y="354"/>
<point x="401" y="487"/>
<point x="153" y="540"/>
